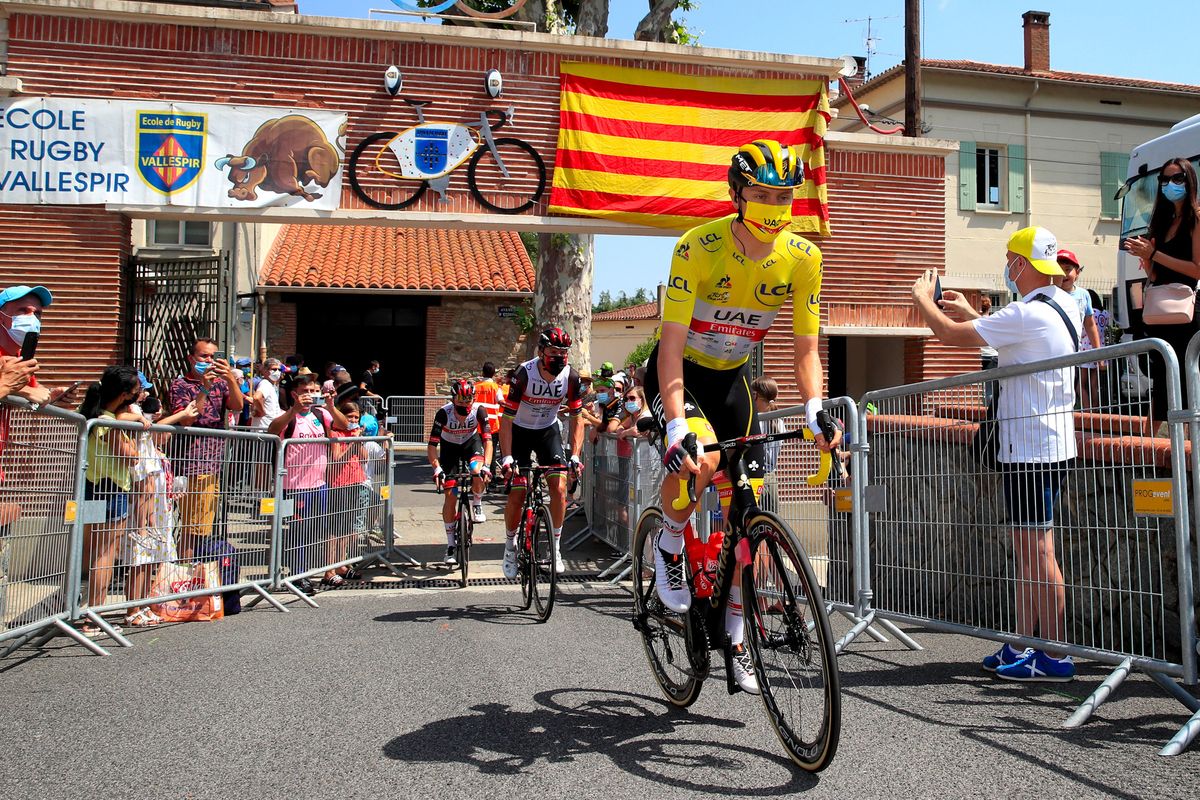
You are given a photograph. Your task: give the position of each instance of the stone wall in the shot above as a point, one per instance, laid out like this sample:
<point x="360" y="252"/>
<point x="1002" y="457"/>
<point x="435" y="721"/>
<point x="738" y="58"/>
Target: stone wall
<point x="463" y="333"/>
<point x="941" y="548"/>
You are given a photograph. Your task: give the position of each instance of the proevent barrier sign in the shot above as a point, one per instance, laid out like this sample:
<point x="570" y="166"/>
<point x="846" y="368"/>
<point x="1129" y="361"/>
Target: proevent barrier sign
<point x="69" y="151"/>
<point x="1152" y="498"/>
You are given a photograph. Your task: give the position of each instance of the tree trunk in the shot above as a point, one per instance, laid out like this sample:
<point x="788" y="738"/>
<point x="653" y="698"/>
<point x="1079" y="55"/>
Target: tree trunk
<point x="656" y="25"/>
<point x="564" y="290"/>
<point x="593" y="18"/>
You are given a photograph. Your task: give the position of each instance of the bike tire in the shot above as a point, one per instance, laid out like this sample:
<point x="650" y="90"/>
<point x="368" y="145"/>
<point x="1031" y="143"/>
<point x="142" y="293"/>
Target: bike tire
<point x="524" y="562"/>
<point x="465" y="529"/>
<point x="520" y="190"/>
<point x="792" y="644"/>
<point x="665" y="644"/>
<point x="378" y="189"/>
<point x="545" y="577"/>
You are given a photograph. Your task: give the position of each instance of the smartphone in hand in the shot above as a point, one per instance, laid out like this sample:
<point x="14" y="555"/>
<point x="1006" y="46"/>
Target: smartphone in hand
<point x="219" y="356"/>
<point x="937" y="290"/>
<point x="29" y="345"/>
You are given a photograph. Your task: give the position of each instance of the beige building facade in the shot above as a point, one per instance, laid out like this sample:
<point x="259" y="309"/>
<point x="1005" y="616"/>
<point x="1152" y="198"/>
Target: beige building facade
<point x="1037" y="146"/>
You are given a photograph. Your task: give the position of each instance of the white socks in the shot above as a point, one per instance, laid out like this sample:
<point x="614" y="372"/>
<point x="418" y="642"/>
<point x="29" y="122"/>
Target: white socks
<point x="671" y="540"/>
<point x="451" y="533"/>
<point x="734" y="628"/>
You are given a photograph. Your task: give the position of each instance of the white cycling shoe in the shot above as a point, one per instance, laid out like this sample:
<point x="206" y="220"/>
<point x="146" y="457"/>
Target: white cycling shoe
<point x="670" y="579"/>
<point x="477" y="515"/>
<point x="743" y="669"/>
<point x="559" y="566"/>
<point x="509" y="564"/>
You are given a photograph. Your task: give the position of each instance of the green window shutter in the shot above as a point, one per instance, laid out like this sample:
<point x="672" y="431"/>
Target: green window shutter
<point x="966" y="176"/>
<point x="1113" y="167"/>
<point x="1016" y="178"/>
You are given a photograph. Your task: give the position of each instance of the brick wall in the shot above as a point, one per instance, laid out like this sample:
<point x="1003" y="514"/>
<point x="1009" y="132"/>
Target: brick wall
<point x="462" y="334"/>
<point x="80" y="254"/>
<point x="281" y="327"/>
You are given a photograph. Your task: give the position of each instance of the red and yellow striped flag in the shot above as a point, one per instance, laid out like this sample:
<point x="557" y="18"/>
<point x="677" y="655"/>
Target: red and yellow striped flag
<point x="653" y="148"/>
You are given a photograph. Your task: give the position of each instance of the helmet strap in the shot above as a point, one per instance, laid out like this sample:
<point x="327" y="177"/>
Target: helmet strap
<point x="738" y="204"/>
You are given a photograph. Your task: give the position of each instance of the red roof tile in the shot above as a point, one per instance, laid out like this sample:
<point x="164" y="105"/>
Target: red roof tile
<point x="629" y="313"/>
<point x="1051" y="75"/>
<point x="414" y="259"/>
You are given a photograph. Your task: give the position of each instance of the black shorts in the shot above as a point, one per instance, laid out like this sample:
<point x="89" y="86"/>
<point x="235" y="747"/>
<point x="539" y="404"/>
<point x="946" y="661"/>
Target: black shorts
<point x="545" y="443"/>
<point x="455" y="456"/>
<point x="720" y="397"/>
<point x="1031" y="492"/>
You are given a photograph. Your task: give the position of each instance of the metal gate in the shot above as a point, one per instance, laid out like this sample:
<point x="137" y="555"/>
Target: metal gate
<point x="172" y="303"/>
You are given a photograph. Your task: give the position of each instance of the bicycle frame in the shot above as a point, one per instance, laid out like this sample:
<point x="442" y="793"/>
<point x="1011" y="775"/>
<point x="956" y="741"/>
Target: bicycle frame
<point x="438" y="181"/>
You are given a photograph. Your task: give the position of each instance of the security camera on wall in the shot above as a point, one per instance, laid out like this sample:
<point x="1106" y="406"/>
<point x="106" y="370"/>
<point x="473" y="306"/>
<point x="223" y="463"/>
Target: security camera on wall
<point x="393" y="80"/>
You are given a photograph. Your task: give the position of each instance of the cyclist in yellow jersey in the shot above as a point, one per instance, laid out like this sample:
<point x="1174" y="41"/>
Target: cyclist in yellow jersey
<point x="729" y="278"/>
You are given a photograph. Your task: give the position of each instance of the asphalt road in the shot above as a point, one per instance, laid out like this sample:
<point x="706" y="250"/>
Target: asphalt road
<point x="451" y="693"/>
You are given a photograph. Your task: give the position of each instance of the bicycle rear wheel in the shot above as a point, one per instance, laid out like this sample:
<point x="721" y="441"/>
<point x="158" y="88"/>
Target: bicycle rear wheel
<point x="792" y="644"/>
<point x="374" y="175"/>
<point x="520" y="189"/>
<point x="545" y="578"/>
<point x="465" y="530"/>
<point x="663" y="636"/>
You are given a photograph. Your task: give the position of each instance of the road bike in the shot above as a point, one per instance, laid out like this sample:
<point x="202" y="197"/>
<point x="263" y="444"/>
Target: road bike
<point x="535" y="545"/>
<point x="464" y="523"/>
<point x="392" y="170"/>
<point x="788" y="633"/>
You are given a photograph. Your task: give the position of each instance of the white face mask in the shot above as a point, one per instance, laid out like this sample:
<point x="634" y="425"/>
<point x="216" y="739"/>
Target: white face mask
<point x="1009" y="280"/>
<point x="23" y="324"/>
<point x="275" y="375"/>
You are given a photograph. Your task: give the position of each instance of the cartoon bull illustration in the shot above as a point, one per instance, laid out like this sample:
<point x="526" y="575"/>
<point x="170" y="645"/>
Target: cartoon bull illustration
<point x="283" y="155"/>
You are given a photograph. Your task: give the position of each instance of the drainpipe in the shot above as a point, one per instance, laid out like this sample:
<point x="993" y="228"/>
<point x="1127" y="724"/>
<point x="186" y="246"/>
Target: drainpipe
<point x="1028" y="161"/>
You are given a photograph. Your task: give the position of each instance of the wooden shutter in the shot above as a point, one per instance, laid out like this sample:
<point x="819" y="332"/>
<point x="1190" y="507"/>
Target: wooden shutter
<point x="966" y="176"/>
<point x="1016" y="178"/>
<point x="1113" y="167"/>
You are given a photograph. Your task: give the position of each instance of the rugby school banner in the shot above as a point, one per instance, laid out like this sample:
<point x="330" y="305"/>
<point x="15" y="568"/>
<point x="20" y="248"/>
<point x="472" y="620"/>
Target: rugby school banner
<point x="653" y="148"/>
<point x="67" y="151"/>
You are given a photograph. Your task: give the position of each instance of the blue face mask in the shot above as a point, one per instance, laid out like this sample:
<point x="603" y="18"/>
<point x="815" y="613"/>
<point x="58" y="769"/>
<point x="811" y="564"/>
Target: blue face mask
<point x="202" y="367"/>
<point x="23" y="324"/>
<point x="1174" y="191"/>
<point x="632" y="406"/>
<point x="1008" y="280"/>
<point x="602" y="397"/>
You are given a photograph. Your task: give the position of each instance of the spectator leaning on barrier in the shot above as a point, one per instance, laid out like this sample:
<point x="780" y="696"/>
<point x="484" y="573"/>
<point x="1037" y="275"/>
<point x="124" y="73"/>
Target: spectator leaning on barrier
<point x="1036" y="427"/>
<point x="21" y="313"/>
<point x="210" y="384"/>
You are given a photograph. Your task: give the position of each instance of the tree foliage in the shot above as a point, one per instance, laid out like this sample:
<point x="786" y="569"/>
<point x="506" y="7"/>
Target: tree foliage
<point x="640" y="353"/>
<point x="606" y="302"/>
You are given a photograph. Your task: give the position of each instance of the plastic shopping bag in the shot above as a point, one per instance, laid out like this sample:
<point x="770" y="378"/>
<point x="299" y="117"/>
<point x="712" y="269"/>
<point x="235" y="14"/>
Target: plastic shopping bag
<point x="176" y="578"/>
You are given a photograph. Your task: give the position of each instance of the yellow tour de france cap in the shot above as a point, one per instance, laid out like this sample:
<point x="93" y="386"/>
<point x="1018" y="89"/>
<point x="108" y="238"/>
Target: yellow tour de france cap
<point x="1039" y="246"/>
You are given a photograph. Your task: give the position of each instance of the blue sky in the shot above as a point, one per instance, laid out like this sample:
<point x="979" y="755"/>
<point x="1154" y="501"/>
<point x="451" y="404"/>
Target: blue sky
<point x="1098" y="36"/>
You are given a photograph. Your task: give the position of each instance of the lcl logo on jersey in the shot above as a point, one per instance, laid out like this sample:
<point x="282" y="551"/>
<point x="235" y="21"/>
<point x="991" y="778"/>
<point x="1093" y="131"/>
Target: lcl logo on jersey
<point x="678" y="282"/>
<point x="773" y="295"/>
<point x="814" y="304"/>
<point x="711" y="242"/>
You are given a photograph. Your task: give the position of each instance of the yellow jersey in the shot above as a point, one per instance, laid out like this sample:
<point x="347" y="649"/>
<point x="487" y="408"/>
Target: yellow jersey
<point x="728" y="301"/>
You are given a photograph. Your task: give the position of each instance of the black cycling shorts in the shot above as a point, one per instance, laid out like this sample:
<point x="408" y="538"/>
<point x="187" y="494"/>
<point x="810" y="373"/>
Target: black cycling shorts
<point x="720" y="397"/>
<point x="453" y="457"/>
<point x="545" y="443"/>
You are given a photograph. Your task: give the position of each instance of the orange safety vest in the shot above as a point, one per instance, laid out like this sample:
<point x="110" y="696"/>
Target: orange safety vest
<point x="487" y="395"/>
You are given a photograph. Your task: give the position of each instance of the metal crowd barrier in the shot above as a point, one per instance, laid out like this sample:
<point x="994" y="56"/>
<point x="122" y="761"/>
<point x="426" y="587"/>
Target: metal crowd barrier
<point x="327" y="493"/>
<point x="409" y="418"/>
<point x="945" y="555"/>
<point x="38" y="572"/>
<point x="624" y="478"/>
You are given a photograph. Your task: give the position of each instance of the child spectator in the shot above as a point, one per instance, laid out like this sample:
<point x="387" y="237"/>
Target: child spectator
<point x="348" y="497"/>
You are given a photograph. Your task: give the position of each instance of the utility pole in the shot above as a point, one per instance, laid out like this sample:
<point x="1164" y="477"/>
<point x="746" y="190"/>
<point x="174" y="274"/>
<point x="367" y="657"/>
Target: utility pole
<point x="912" y="67"/>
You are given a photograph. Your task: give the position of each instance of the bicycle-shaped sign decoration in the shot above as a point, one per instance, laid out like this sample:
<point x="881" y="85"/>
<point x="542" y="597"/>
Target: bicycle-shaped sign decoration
<point x="392" y="170"/>
<point x="464" y="7"/>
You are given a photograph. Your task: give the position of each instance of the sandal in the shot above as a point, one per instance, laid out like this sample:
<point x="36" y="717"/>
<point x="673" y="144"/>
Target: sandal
<point x="141" y="619"/>
<point x="334" y="581"/>
<point x="89" y="630"/>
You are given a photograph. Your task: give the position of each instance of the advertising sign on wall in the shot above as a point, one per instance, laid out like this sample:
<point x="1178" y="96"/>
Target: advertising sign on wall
<point x="64" y="151"/>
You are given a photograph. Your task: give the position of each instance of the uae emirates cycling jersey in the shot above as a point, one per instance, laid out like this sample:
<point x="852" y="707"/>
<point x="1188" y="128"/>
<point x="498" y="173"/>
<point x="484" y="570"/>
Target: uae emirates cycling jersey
<point x="450" y="426"/>
<point x="533" y="401"/>
<point x="728" y="301"/>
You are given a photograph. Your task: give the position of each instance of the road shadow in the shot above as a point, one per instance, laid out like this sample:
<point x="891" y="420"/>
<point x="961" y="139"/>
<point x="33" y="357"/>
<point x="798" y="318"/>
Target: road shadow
<point x="641" y="735"/>
<point x="492" y="614"/>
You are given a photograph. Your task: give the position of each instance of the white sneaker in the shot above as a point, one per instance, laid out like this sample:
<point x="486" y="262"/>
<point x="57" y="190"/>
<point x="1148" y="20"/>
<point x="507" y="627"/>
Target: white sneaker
<point x="509" y="564"/>
<point x="559" y="566"/>
<point x="670" y="580"/>
<point x="743" y="669"/>
<point x="451" y="556"/>
<point x="477" y="515"/>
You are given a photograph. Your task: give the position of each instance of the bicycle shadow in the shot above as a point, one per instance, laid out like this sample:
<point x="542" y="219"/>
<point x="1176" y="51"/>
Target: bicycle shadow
<point x="499" y="740"/>
<point x="491" y="614"/>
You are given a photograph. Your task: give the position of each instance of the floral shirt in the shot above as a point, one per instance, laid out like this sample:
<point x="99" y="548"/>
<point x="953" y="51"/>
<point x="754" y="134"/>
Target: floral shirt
<point x="199" y="455"/>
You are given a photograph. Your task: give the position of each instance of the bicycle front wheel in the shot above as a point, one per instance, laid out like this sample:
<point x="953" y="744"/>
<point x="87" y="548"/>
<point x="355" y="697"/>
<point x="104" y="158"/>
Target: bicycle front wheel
<point x="525" y="561"/>
<point x="465" y="531"/>
<point x="510" y="193"/>
<point x="792" y="644"/>
<point x="663" y="636"/>
<point x="545" y="578"/>
<point x="374" y="175"/>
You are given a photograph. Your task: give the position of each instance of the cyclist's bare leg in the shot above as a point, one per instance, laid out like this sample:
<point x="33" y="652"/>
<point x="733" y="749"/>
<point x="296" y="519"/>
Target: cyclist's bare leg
<point x="512" y="509"/>
<point x="556" y="482"/>
<point x="448" y="507"/>
<point x="674" y="519"/>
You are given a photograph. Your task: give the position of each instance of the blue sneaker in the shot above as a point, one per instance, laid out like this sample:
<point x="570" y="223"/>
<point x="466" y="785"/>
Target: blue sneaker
<point x="1037" y="666"/>
<point x="1003" y="657"/>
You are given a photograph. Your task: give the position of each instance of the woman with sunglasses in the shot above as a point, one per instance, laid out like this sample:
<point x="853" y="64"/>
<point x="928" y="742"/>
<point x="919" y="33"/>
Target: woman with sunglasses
<point x="1170" y="254"/>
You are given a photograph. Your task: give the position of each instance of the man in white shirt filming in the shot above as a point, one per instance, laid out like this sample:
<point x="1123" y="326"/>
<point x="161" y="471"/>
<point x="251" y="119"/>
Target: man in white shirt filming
<point x="1036" y="431"/>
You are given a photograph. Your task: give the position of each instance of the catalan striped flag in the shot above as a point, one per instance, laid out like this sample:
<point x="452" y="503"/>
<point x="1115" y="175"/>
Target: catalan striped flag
<point x="653" y="148"/>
